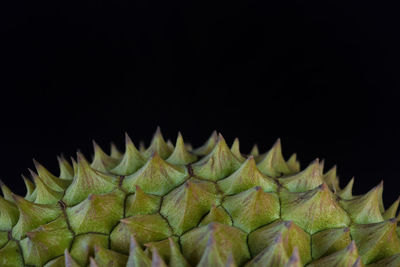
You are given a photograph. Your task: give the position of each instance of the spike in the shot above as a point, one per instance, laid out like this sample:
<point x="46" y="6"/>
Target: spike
<point x="7" y="193"/>
<point x="294" y="260"/>
<point x="176" y="258"/>
<point x="252" y="208"/>
<point x="141" y="203"/>
<point x="115" y="153"/>
<point x="331" y="179"/>
<point x="216" y="214"/>
<point x="293" y="163"/>
<point x="273" y="255"/>
<point x="208" y="145"/>
<point x="186" y="205"/>
<point x="292" y="236"/>
<point x="346" y="193"/>
<point x="318" y="204"/>
<point x="254" y="151"/>
<point x="145" y="228"/>
<point x="228" y="239"/>
<point x="38" y="247"/>
<point x="392" y="210"/>
<point x="158" y="145"/>
<point x="131" y="161"/>
<point x="137" y="258"/>
<point x="305" y="180"/>
<point x="376" y="240"/>
<point x="364" y="209"/>
<point x="66" y="170"/>
<point x="88" y="216"/>
<point x="43" y="193"/>
<point x="211" y="255"/>
<point x="219" y="163"/>
<point x="180" y="155"/>
<point x="32" y="216"/>
<point x="88" y="181"/>
<point x="102" y="162"/>
<point x="246" y="177"/>
<point x="272" y="163"/>
<point x="49" y="179"/>
<point x="155" y="177"/>
<point x="329" y="241"/>
<point x="30" y="187"/>
<point x="236" y="150"/>
<point x="345" y="257"/>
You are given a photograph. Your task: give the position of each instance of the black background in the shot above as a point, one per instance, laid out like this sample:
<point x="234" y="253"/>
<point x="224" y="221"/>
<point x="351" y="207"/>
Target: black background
<point x="322" y="76"/>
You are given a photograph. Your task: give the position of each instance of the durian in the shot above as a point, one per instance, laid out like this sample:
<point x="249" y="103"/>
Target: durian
<point x="171" y="205"/>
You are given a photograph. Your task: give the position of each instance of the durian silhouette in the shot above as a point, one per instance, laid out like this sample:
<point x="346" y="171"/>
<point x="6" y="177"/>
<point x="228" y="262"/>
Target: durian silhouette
<point x="171" y="205"/>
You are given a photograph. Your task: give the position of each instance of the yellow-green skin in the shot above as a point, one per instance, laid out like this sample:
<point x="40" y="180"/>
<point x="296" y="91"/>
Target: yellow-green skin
<point x="169" y="205"/>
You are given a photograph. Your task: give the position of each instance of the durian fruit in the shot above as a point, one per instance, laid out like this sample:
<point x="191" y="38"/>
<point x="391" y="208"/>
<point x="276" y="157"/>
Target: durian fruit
<point x="171" y="205"/>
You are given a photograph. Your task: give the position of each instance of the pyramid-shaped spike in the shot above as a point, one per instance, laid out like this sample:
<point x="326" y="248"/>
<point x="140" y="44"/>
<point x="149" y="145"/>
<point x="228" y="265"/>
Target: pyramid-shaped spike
<point x="38" y="247"/>
<point x="88" y="216"/>
<point x="305" y="180"/>
<point x="376" y="241"/>
<point x="32" y="216"/>
<point x="292" y="236"/>
<point x="101" y="161"/>
<point x="114" y="151"/>
<point x="246" y="177"/>
<point x="252" y="208"/>
<point x="345" y="257"/>
<point x="131" y="161"/>
<point x="74" y="166"/>
<point x="331" y="179"/>
<point x="318" y="204"/>
<point x="347" y="191"/>
<point x="145" y="228"/>
<point x="66" y="170"/>
<point x="273" y="255"/>
<point x="235" y="148"/>
<point x="208" y="145"/>
<point x="156" y="177"/>
<point x="186" y="205"/>
<point x="392" y="210"/>
<point x="88" y="181"/>
<point x="180" y="155"/>
<point x="8" y="214"/>
<point x="162" y="246"/>
<point x="137" y="258"/>
<point x="216" y="214"/>
<point x="158" y="145"/>
<point x="49" y="179"/>
<point x="255" y="151"/>
<point x="272" y="163"/>
<point x="43" y="193"/>
<point x="156" y="260"/>
<point x="293" y="163"/>
<point x="364" y="209"/>
<point x="329" y="241"/>
<point x="11" y="253"/>
<point x="30" y="187"/>
<point x="7" y="193"/>
<point x="141" y="203"/>
<point x="69" y="261"/>
<point x="109" y="258"/>
<point x="228" y="239"/>
<point x="218" y="164"/>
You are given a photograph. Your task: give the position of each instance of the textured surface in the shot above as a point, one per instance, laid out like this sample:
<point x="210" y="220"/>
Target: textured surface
<point x="171" y="205"/>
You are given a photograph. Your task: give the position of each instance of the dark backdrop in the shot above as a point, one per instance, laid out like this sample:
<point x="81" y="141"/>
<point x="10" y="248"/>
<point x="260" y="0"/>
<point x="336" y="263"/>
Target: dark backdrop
<point x="321" y="75"/>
